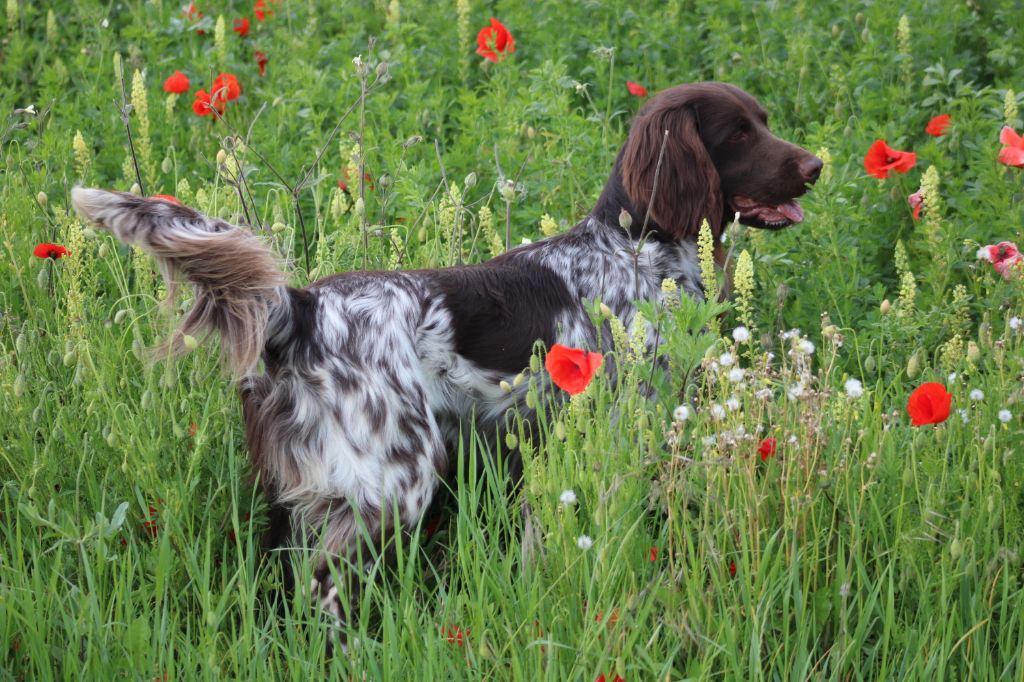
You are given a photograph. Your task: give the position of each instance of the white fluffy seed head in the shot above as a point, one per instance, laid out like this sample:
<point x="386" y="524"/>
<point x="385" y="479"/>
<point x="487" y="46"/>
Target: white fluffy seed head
<point x="584" y="542"/>
<point x="736" y="375"/>
<point x="741" y="334"/>
<point x="805" y="346"/>
<point x="726" y="359"/>
<point x="854" y="388"/>
<point x="977" y="394"/>
<point x="681" y="413"/>
<point x="567" y="498"/>
<point x="1005" y="416"/>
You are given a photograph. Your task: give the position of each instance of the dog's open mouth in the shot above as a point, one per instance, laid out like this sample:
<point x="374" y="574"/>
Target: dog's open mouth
<point x="772" y="216"/>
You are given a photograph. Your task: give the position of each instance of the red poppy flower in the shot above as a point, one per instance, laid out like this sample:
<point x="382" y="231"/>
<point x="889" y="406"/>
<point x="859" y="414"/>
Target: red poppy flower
<point x="571" y="368"/>
<point x="1005" y="257"/>
<point x="602" y="678"/>
<point x="261" y="11"/>
<point x="242" y="26"/>
<point x="261" y="62"/>
<point x="916" y="201"/>
<point x="203" y="106"/>
<point x="191" y="12"/>
<point x="494" y="42"/>
<point x="654" y="553"/>
<point x="732" y="569"/>
<point x="225" y="89"/>
<point x="53" y="251"/>
<point x="177" y="83"/>
<point x="455" y="634"/>
<point x="767" y="448"/>
<point x="929" y="404"/>
<point x="150" y="524"/>
<point x="166" y="197"/>
<point x="636" y="89"/>
<point x="1013" y="153"/>
<point x="937" y="126"/>
<point x="882" y="158"/>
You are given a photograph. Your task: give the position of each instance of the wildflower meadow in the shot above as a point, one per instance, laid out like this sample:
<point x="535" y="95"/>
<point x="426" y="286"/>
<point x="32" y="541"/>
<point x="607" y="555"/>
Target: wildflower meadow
<point x="826" y="484"/>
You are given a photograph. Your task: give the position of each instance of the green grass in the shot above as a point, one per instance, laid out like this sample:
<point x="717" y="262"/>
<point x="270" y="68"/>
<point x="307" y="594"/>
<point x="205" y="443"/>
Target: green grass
<point x="865" y="549"/>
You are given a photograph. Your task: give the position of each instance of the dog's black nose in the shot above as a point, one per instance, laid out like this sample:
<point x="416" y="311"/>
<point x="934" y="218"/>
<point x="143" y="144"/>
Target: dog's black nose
<point x="810" y="168"/>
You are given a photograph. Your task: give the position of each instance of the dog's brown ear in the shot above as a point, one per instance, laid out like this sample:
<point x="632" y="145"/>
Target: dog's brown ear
<point x="688" y="185"/>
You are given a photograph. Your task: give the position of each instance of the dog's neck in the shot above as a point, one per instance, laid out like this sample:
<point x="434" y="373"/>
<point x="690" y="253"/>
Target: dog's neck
<point x="614" y="200"/>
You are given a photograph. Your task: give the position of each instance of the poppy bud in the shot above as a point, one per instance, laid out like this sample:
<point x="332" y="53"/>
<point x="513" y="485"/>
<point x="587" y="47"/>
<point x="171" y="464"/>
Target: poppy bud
<point x="146" y="400"/>
<point x="470" y="181"/>
<point x="914" y="365"/>
<point x="42" y="199"/>
<point x="189" y="341"/>
<point x="70" y="358"/>
<point x="835" y="30"/>
<point x="908" y="477"/>
<point x="955" y="549"/>
<point x="505" y="386"/>
<point x="519" y="379"/>
<point x="830" y="331"/>
<point x="167" y="165"/>
<point x="277" y="228"/>
<point x="415" y="139"/>
<point x="103" y="251"/>
<point x="120" y="315"/>
<point x="781" y="294"/>
<point x="384" y="181"/>
<point x="625" y="219"/>
<point x="111" y="439"/>
<point x="885" y="307"/>
<point x="88" y="232"/>
<point x="37" y="414"/>
<point x="858" y="18"/>
<point x="382" y="70"/>
<point x="869" y="364"/>
<point x="43" y="278"/>
<point x="20" y="343"/>
<point x="222" y="156"/>
<point x="559" y="430"/>
<point x="973" y="352"/>
<point x="530" y="132"/>
<point x="534" y="364"/>
<point x="531" y="400"/>
<point x="360" y="207"/>
<point x="136" y="190"/>
<point x="422" y="234"/>
<point x="606" y="311"/>
<point x="511" y="441"/>
<point x="985" y="333"/>
<point x="19" y="385"/>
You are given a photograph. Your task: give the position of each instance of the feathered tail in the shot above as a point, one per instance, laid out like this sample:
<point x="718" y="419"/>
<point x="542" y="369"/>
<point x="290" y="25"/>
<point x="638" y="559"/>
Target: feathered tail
<point x="237" y="281"/>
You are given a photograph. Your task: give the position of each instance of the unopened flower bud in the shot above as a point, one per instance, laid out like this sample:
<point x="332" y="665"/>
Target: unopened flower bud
<point x="625" y="219"/>
<point x="42" y="199"/>
<point x="103" y="251"/>
<point x="222" y="156"/>
<point x="508" y="191"/>
<point x="505" y="386"/>
<point x="530" y="132"/>
<point x="189" y="341"/>
<point x="415" y="139"/>
<point x="382" y="70"/>
<point x="520" y="378"/>
<point x="511" y="441"/>
<point x="21" y="343"/>
<point x="360" y="207"/>
<point x="885" y="307"/>
<point x="70" y="358"/>
<point x="278" y="227"/>
<point x="606" y="311"/>
<point x="136" y="190"/>
<point x="973" y="352"/>
<point x="167" y="165"/>
<point x="559" y="430"/>
<point x="955" y="549"/>
<point x="470" y="181"/>
<point x="19" y="385"/>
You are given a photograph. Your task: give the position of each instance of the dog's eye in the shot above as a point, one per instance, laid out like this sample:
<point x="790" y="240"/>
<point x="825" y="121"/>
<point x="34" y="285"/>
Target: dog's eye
<point x="741" y="134"/>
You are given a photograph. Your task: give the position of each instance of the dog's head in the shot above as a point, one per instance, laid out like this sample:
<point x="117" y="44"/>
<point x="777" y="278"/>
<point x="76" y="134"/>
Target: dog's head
<point x="719" y="158"/>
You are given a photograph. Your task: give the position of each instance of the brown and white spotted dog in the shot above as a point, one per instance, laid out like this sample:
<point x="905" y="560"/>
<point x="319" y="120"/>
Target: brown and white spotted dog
<point x="369" y="377"/>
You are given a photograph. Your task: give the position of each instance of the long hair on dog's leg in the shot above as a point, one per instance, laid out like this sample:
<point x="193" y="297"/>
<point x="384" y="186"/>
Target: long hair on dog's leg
<point x="239" y="288"/>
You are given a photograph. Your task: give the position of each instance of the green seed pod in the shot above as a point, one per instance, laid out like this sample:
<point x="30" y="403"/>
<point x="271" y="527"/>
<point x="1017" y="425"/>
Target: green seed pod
<point x="70" y="358"/>
<point x="43" y="278"/>
<point x="869" y="364"/>
<point x="103" y="251"/>
<point x="519" y="379"/>
<point x="559" y="430"/>
<point x="511" y="441"/>
<point x="531" y="400"/>
<point x="136" y="190"/>
<point x="534" y="363"/>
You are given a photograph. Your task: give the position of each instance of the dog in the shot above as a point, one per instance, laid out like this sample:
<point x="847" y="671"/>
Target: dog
<point x="369" y="378"/>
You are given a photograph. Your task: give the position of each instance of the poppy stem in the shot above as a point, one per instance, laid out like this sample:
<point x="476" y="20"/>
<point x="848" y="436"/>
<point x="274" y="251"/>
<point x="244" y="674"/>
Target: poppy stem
<point x="647" y="217"/>
<point x="302" y="226"/>
<point x="125" y="111"/>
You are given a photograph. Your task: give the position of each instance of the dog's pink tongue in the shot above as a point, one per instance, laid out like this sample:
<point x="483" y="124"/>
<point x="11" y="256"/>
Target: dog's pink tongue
<point x="792" y="211"/>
